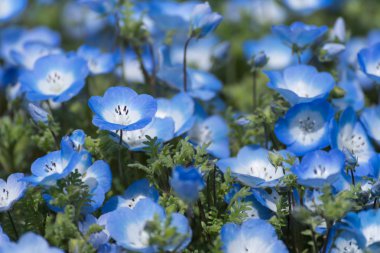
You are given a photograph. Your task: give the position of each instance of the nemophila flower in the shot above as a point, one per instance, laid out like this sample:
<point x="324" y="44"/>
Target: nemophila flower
<point x="3" y="237"/>
<point x="77" y="138"/>
<point x="203" y="20"/>
<point x="96" y="239"/>
<point x="128" y="226"/>
<point x="301" y="83"/>
<point x="138" y="190"/>
<point x="11" y="191"/>
<point x="307" y="7"/>
<point x="298" y="34"/>
<point x="319" y="167"/>
<point x="13" y="40"/>
<point x="369" y="59"/>
<point x="252" y="167"/>
<point x="187" y="183"/>
<point x="211" y="131"/>
<point x="254" y="235"/>
<point x="56" y="77"/>
<point x="370" y="118"/>
<point x="350" y="137"/>
<point x="97" y="61"/>
<point x="331" y="51"/>
<point x="343" y="239"/>
<point x="100" y="6"/>
<point x="11" y="8"/>
<point x="38" y="114"/>
<point x="180" y="108"/>
<point x="121" y="108"/>
<point x="339" y="30"/>
<point x="353" y="97"/>
<point x="29" y="242"/>
<point x="55" y="165"/>
<point x="305" y="127"/>
<point x="134" y="140"/>
<point x="268" y="197"/>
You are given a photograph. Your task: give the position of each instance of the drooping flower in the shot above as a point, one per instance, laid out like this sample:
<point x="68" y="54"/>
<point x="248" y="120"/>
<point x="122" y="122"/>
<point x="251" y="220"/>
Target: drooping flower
<point x="121" y="108"/>
<point x="180" y="108"/>
<point x="96" y="239"/>
<point x="11" y="191"/>
<point x="301" y="83"/>
<point x="203" y="20"/>
<point x="305" y="127"/>
<point x="11" y="8"/>
<point x="97" y="61"/>
<point x="369" y="59"/>
<point x="211" y="131"/>
<point x="128" y="226"/>
<point x="252" y="167"/>
<point x="140" y="189"/>
<point x="319" y="167"/>
<point x="56" y="77"/>
<point x="29" y="242"/>
<point x="187" y="183"/>
<point x="38" y="114"/>
<point x="298" y="34"/>
<point x="370" y="118"/>
<point x="254" y="235"/>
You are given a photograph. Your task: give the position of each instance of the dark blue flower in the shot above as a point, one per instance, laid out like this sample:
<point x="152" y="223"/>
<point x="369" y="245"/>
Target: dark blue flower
<point x="187" y="183"/>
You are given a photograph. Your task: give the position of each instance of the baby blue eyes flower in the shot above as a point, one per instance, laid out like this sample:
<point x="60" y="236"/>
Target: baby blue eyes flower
<point x="121" y="108"/>
<point x="11" y="191"/>
<point x="307" y="7"/>
<point x="299" y="35"/>
<point x="128" y="226"/>
<point x="320" y="167"/>
<point x="3" y="237"/>
<point x="203" y="20"/>
<point x="305" y="127"/>
<point x="11" y="8"/>
<point x="301" y="83"/>
<point x="78" y="138"/>
<point x="187" y="183"/>
<point x="98" y="62"/>
<point x="56" y="77"/>
<point x="29" y="242"/>
<point x="252" y="167"/>
<point x="370" y="118"/>
<point x="369" y="62"/>
<point x="38" y="114"/>
<point x="97" y="239"/>
<point x="254" y="235"/>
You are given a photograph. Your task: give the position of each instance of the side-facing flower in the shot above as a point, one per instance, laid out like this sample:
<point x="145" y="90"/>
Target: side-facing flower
<point x="319" y="167"/>
<point x="369" y="59"/>
<point x="180" y="108"/>
<point x="254" y="235"/>
<point x="203" y="20"/>
<point x="56" y="77"/>
<point x="212" y="131"/>
<point x="121" y="108"/>
<point x="301" y="83"/>
<point x="77" y="138"/>
<point x="38" y="114"/>
<point x="252" y="167"/>
<point x="299" y="35"/>
<point x="97" y="61"/>
<point x="11" y="191"/>
<point x="187" y="183"/>
<point x="11" y="8"/>
<point x="29" y="242"/>
<point x="305" y="127"/>
<point x="97" y="239"/>
<point x="370" y="118"/>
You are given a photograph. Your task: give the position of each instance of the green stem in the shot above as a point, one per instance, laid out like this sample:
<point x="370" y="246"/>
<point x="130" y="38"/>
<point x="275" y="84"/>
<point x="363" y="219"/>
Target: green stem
<point x="119" y="157"/>
<point x="13" y="224"/>
<point x="254" y="76"/>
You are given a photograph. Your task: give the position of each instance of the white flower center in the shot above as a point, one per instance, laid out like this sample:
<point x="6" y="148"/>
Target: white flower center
<point x="55" y="83"/>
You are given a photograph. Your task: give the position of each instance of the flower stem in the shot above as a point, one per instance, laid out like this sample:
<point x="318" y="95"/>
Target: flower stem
<point x="254" y="76"/>
<point x="119" y="157"/>
<point x="185" y="64"/>
<point x="13" y="224"/>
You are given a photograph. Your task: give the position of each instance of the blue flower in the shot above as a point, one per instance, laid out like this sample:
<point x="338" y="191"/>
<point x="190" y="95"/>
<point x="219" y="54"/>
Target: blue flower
<point x="100" y="6"/>
<point x="3" y="237"/>
<point x="370" y="118"/>
<point x="369" y="59"/>
<point x="56" y="77"/>
<point x="180" y="108"/>
<point x="301" y="83"/>
<point x="211" y="131"/>
<point x="98" y="62"/>
<point x="319" y="167"/>
<point x="38" y="114"/>
<point x="353" y="97"/>
<point x="339" y="30"/>
<point x="203" y="21"/>
<point x="121" y="108"/>
<point x="11" y="9"/>
<point x="252" y="167"/>
<point x="268" y="197"/>
<point x="140" y="189"/>
<point x="253" y="234"/>
<point x="343" y="239"/>
<point x="305" y="127"/>
<point x="187" y="183"/>
<point x="97" y="239"/>
<point x="349" y="136"/>
<point x="77" y="138"/>
<point x="29" y="242"/>
<point x="134" y="140"/>
<point x="11" y="191"/>
<point x="331" y="51"/>
<point x="128" y="226"/>
<point x="305" y="7"/>
<point x="298" y="34"/>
